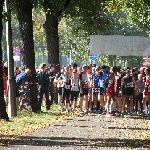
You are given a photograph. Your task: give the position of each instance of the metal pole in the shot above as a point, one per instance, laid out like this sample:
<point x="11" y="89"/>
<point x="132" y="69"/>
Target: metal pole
<point x="3" y="55"/>
<point x="42" y="57"/>
<point x="86" y="61"/>
<point x="124" y="61"/>
<point x="12" y="110"/>
<point x="70" y="56"/>
<point x="91" y="62"/>
<point x="70" y="48"/>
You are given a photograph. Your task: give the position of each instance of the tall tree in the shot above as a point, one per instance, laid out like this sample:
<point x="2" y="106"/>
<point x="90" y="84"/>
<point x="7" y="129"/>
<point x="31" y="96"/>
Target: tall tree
<point x="3" y="113"/>
<point x="83" y="10"/>
<point x="24" y="15"/>
<point x="53" y="10"/>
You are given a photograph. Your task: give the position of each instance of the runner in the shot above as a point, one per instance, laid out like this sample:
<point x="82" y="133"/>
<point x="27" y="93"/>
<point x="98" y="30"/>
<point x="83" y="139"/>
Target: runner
<point x="110" y="93"/>
<point x="135" y="76"/>
<point x="127" y="83"/>
<point x="139" y="88"/>
<point x="117" y="89"/>
<point x="95" y="88"/>
<point x="60" y="80"/>
<point x="147" y="91"/>
<point x="104" y="74"/>
<point x="89" y="74"/>
<point x="67" y="87"/>
<point x="83" y="89"/>
<point x="75" y="87"/>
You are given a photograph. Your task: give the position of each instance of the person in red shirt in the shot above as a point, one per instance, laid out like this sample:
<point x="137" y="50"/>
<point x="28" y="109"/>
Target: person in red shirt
<point x="147" y="90"/>
<point x="117" y="89"/>
<point x="4" y="65"/>
<point x="110" y="93"/>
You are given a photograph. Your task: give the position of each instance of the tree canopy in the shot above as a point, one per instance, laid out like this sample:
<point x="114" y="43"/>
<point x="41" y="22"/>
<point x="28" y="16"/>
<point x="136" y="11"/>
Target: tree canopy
<point x="79" y="19"/>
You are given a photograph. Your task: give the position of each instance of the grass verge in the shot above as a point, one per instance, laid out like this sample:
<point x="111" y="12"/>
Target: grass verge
<point x="27" y="122"/>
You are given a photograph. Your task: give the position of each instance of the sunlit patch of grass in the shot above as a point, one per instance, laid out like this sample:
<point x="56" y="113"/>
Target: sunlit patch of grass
<point x="27" y="122"/>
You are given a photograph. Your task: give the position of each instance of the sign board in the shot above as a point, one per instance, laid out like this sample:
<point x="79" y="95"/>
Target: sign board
<point x="16" y="58"/>
<point x="119" y="45"/>
<point x="16" y="51"/>
<point x="93" y="57"/>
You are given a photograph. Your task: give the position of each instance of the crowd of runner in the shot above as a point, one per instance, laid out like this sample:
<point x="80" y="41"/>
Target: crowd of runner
<point x="90" y="88"/>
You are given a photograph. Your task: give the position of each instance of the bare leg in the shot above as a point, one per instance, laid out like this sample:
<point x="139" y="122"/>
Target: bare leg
<point x="81" y="102"/>
<point x="131" y="103"/>
<point x="124" y="99"/>
<point x="86" y="102"/>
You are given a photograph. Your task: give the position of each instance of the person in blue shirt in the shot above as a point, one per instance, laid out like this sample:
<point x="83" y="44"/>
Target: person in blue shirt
<point x="21" y="79"/>
<point x="104" y="74"/>
<point x="95" y="87"/>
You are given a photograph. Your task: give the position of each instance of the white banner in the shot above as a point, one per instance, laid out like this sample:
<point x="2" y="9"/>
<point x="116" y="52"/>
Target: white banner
<point x="119" y="45"/>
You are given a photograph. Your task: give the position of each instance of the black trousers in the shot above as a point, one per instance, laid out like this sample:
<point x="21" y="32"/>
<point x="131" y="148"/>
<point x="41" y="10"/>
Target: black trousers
<point x="66" y="95"/>
<point x="43" y="90"/>
<point x="74" y="95"/>
<point x="139" y="98"/>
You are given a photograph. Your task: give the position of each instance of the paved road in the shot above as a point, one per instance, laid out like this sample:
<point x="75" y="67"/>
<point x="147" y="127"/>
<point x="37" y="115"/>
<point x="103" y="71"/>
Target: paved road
<point x="89" y="132"/>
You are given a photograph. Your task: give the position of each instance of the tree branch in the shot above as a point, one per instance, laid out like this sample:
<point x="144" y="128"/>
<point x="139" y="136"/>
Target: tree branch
<point x="65" y="6"/>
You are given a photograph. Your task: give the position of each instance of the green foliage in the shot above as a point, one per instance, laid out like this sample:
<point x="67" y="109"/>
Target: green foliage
<point x="121" y="25"/>
<point x="80" y="47"/>
<point x="83" y="18"/>
<point x="88" y="17"/>
<point x="139" y="12"/>
<point x="38" y="30"/>
<point x="15" y="35"/>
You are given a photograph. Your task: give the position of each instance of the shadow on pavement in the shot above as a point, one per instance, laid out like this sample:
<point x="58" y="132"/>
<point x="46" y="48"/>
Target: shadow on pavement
<point x="128" y="128"/>
<point x="76" y="142"/>
<point x="139" y="117"/>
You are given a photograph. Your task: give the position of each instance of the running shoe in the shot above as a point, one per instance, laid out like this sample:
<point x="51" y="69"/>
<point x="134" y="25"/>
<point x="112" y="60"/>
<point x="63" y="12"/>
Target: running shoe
<point x="67" y="110"/>
<point x="130" y="114"/>
<point x="94" y="110"/>
<point x="85" y="111"/>
<point x="138" y="113"/>
<point x="63" y="109"/>
<point x="97" y="112"/>
<point x="75" y="109"/>
<point x="122" y="114"/>
<point x="81" y="112"/>
<point x="71" y="109"/>
<point x="143" y="114"/>
<point x="118" y="114"/>
<point x="134" y="113"/>
<point x="90" y="110"/>
<point x="104" y="113"/>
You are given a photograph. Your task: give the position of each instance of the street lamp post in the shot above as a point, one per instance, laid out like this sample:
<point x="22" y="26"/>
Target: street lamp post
<point x="11" y="82"/>
<point x="70" y="48"/>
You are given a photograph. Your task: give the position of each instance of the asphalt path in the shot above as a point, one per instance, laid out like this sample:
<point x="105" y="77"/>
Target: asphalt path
<point x="94" y="132"/>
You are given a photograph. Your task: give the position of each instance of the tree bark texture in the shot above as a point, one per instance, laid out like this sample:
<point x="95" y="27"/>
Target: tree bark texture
<point x="52" y="39"/>
<point x="3" y="113"/>
<point x="24" y="15"/>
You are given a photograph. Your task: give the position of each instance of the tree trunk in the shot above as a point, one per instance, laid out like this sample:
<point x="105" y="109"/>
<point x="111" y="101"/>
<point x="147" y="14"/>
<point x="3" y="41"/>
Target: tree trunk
<point x="3" y="113"/>
<point x="24" y="15"/>
<point x="52" y="39"/>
